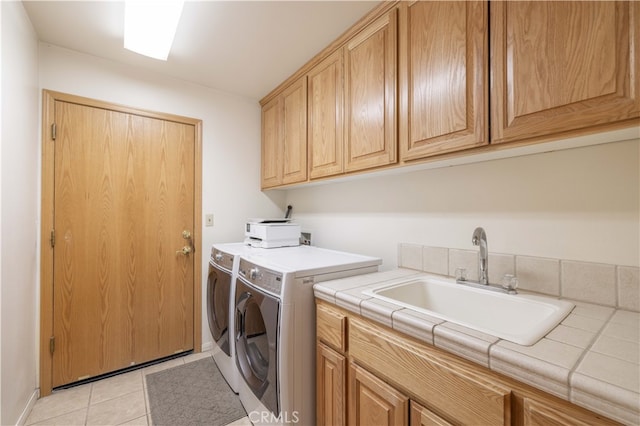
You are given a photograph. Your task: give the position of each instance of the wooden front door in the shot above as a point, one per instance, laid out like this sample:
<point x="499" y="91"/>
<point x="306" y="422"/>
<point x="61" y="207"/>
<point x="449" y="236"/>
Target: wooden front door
<point x="123" y="211"/>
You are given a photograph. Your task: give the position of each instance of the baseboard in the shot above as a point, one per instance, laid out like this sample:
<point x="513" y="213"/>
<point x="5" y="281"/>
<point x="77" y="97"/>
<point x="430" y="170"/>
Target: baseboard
<point x="22" y="420"/>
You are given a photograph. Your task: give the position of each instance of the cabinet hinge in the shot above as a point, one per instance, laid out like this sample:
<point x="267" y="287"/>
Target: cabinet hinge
<point x="52" y="344"/>
<point x="52" y="238"/>
<point x="53" y="131"/>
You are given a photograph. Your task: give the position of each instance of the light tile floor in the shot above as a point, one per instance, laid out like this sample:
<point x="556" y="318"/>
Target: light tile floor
<point x="118" y="400"/>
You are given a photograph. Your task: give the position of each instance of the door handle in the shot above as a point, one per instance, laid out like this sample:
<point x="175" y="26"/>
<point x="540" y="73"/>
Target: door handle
<point x="184" y="251"/>
<point x="187" y="236"/>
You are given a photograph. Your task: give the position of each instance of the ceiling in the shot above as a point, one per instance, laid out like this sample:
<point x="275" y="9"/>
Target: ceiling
<point x="242" y="47"/>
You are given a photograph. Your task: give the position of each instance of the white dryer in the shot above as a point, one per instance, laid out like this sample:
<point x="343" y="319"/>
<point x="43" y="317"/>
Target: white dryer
<point x="275" y="328"/>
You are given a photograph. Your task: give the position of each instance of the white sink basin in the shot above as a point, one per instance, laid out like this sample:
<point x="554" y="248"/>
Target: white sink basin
<point x="522" y="319"/>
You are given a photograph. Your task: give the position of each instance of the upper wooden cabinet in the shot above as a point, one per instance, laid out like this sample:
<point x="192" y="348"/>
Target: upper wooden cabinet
<point x="562" y="66"/>
<point x="413" y="80"/>
<point x="326" y="131"/>
<point x="272" y="156"/>
<point x="370" y="95"/>
<point x="284" y="137"/>
<point x="443" y="77"/>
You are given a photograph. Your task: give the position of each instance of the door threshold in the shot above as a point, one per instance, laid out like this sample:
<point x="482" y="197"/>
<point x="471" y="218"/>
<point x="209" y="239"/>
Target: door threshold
<point x="122" y="371"/>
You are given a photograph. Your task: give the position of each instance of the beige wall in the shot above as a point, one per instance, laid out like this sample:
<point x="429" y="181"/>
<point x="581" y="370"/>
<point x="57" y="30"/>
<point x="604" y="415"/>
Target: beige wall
<point x="19" y="213"/>
<point x="579" y="204"/>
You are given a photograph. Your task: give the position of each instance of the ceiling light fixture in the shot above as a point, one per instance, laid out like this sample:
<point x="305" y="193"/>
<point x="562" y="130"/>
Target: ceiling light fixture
<point x="150" y="26"/>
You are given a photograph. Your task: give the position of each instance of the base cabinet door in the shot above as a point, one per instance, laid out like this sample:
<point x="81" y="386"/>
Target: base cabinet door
<point x="331" y="387"/>
<point x="562" y="66"/>
<point x="421" y="416"/>
<point x="374" y="402"/>
<point x="542" y="413"/>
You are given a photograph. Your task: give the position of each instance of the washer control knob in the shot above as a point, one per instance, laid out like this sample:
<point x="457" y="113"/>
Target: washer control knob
<point x="219" y="257"/>
<point x="253" y="273"/>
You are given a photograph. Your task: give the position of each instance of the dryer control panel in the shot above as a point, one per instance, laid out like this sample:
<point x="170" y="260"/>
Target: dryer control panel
<point x="260" y="277"/>
<point x="221" y="258"/>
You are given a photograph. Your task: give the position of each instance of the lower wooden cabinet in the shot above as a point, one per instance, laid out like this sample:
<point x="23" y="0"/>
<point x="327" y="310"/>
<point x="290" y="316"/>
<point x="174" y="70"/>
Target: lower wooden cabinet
<point x="330" y="387"/>
<point x="421" y="416"/>
<point x="392" y="379"/>
<point x="535" y="413"/>
<point x="374" y="402"/>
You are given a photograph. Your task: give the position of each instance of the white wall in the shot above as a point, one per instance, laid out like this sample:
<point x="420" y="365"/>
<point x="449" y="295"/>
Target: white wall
<point x="579" y="204"/>
<point x="19" y="212"/>
<point x="230" y="144"/>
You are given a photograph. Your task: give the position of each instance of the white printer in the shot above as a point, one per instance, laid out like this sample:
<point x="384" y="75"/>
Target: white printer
<point x="271" y="233"/>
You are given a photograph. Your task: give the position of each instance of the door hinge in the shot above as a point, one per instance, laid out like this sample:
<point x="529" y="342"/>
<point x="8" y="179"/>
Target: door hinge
<point x="52" y="344"/>
<point x="53" y="131"/>
<point x="52" y="238"/>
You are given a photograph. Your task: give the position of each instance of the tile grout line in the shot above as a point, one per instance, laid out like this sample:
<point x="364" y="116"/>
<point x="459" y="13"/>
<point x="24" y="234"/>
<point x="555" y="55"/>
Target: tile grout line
<point x="86" y="415"/>
<point x="586" y="351"/>
<point x="147" y="408"/>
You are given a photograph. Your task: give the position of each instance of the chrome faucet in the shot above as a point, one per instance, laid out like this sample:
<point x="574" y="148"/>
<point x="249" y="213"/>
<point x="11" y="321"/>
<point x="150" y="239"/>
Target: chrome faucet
<point x="479" y="238"/>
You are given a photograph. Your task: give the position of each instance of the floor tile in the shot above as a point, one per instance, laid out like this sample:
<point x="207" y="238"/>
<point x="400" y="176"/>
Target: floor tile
<point x="114" y="387"/>
<point x="140" y="421"/>
<point x="59" y="403"/>
<point x="73" y="418"/>
<point x="241" y="422"/>
<point x="118" y="400"/>
<point x="196" y="357"/>
<point x="163" y="366"/>
<point x="118" y="410"/>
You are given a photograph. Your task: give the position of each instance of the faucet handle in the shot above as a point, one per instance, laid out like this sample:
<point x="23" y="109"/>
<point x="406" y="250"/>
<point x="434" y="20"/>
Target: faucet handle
<point x="510" y="282"/>
<point x="461" y="274"/>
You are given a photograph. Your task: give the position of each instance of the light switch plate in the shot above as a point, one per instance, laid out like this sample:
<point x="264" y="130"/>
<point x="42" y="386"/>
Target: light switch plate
<point x="208" y="220"/>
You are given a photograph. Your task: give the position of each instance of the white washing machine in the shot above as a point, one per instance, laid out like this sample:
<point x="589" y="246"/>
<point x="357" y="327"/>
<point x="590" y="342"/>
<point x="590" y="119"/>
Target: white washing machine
<point x="275" y="328"/>
<point x="221" y="284"/>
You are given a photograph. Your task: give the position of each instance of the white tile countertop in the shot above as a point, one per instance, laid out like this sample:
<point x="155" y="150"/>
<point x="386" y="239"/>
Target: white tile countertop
<point x="592" y="358"/>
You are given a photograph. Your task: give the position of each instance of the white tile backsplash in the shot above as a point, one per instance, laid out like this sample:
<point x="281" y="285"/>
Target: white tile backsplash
<point x="589" y="282"/>
<point x="467" y="259"/>
<point x="629" y="288"/>
<point x="597" y="283"/>
<point x="538" y="274"/>
<point x="499" y="265"/>
<point x="410" y="256"/>
<point x="435" y="260"/>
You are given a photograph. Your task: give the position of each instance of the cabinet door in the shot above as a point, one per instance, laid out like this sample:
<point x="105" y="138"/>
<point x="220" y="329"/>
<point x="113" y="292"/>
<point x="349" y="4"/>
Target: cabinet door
<point x="331" y="327"/>
<point x="466" y="395"/>
<point x="421" y="416"/>
<point x="562" y="66"/>
<point x="443" y="64"/>
<point x="541" y="413"/>
<point x="271" y="174"/>
<point x="326" y="117"/>
<point x="330" y="387"/>
<point x="294" y="132"/>
<point x="374" y="402"/>
<point x="370" y="95"/>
